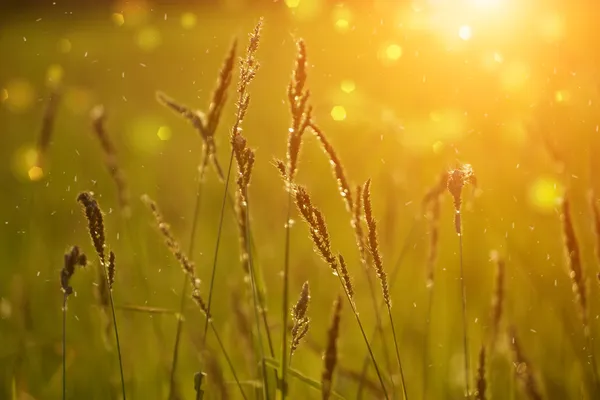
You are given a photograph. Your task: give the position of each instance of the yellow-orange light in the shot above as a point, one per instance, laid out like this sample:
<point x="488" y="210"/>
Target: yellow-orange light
<point x="64" y="45"/>
<point x="486" y="3"/>
<point x="437" y="147"/>
<point x="561" y="96"/>
<point x="545" y="194"/>
<point x="342" y="24"/>
<point x="3" y="95"/>
<point x="164" y="133"/>
<point x="465" y="32"/>
<point x="393" y="52"/>
<point x="54" y="75"/>
<point x="348" y="86"/>
<point x="118" y="19"/>
<point x="338" y="113"/>
<point x="188" y="20"/>
<point x="292" y="3"/>
<point x="35" y="173"/>
<point x="148" y="39"/>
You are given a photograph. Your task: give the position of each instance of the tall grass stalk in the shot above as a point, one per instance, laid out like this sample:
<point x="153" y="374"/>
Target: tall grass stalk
<point x="464" y="317"/>
<point x="373" y="247"/>
<point x="175" y="357"/>
<point x="393" y="276"/>
<point x="285" y="301"/>
<point x="226" y="355"/>
<point x="256" y="303"/>
<point x="217" y="244"/>
<point x="364" y="335"/>
<point x="64" y="347"/>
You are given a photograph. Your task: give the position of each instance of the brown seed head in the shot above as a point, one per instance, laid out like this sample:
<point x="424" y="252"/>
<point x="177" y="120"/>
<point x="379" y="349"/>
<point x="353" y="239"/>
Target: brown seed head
<point x="72" y="258"/>
<point x="336" y="164"/>
<point x="481" y="381"/>
<point x="318" y="228"/>
<point x="357" y="225"/>
<point x="523" y="369"/>
<point x="95" y="222"/>
<point x="373" y="244"/>
<point x="574" y="261"/>
<point x="299" y="318"/>
<point x="173" y="245"/>
<point x="457" y="179"/>
<point x="111" y="270"/>
<point x="330" y="356"/>
<point x="300" y="110"/>
<point x="346" y="277"/>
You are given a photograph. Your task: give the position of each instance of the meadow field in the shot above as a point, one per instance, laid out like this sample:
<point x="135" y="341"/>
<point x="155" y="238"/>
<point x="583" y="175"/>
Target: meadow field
<point x="290" y="168"/>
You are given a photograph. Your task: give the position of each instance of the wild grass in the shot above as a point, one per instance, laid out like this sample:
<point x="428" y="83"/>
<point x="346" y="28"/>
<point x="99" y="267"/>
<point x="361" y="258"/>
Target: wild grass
<point x="265" y="374"/>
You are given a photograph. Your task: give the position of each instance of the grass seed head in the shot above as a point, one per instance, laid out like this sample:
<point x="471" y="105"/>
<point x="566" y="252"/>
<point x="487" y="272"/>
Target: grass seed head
<point x="331" y="352"/>
<point x="95" y="221"/>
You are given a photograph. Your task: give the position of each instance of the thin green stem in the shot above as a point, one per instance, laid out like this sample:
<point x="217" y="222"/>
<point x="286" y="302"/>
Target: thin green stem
<point x="392" y="281"/>
<point x="426" y="343"/>
<point x="180" y="319"/>
<point x="112" y="308"/>
<point x="216" y="256"/>
<point x="464" y="318"/>
<point x="258" y="279"/>
<point x="285" y="302"/>
<point x="364" y="335"/>
<point x="255" y="300"/>
<point x="397" y="353"/>
<point x="64" y="348"/>
<point x="226" y="355"/>
<point x="378" y="322"/>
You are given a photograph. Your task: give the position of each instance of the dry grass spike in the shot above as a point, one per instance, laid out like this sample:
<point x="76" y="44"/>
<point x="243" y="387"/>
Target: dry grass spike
<point x="299" y="318"/>
<point x="330" y="356"/>
<point x="457" y="179"/>
<point x="373" y="244"/>
<point x="316" y="223"/>
<point x="173" y="245"/>
<point x="111" y="270"/>
<point x="575" y="266"/>
<point x="481" y="380"/>
<point x="73" y="258"/>
<point x="95" y="221"/>
<point x="346" y="277"/>
<point x="336" y="164"/>
<point x="98" y="116"/>
<point x="301" y="112"/>
<point x="47" y="128"/>
<point x="523" y="369"/>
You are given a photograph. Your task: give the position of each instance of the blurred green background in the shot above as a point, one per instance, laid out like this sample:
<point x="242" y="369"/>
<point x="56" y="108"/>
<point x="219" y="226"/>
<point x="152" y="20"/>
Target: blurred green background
<point x="404" y="90"/>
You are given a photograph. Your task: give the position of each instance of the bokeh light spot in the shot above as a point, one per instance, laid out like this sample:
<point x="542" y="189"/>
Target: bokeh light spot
<point x="437" y="147"/>
<point x="561" y="96"/>
<point x="552" y="27"/>
<point x="35" y="173"/>
<point x="348" y="86"/>
<point x="164" y="133"/>
<point x="545" y="194"/>
<point x="3" y="95"/>
<point x="118" y="19"/>
<point x="54" y="75"/>
<point x="465" y="32"/>
<point x="188" y="20"/>
<point x="515" y="75"/>
<point x="393" y="52"/>
<point x="292" y="3"/>
<point x="78" y="100"/>
<point x="148" y="39"/>
<point x="20" y="95"/>
<point x="342" y="24"/>
<point x="64" y="45"/>
<point x="338" y="113"/>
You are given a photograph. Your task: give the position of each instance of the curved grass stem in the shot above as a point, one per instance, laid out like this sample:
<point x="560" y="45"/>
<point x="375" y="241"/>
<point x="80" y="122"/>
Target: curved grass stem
<point x="180" y="319"/>
<point x="364" y="335"/>
<point x="285" y="302"/>
<point x="217" y="244"/>
<point x="64" y="347"/>
<point x="226" y="355"/>
<point x="255" y="300"/>
<point x="397" y="354"/>
<point x="393" y="280"/>
<point x="464" y="318"/>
